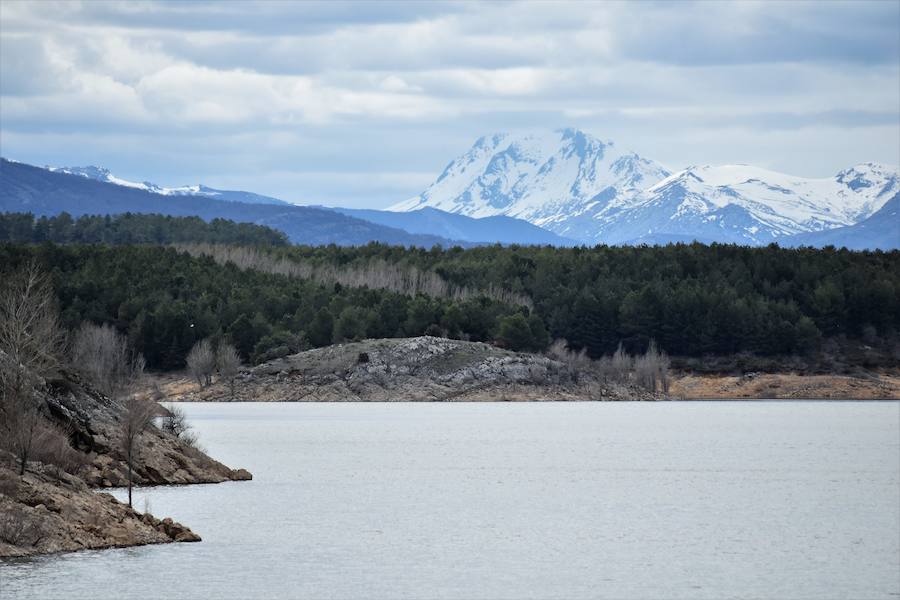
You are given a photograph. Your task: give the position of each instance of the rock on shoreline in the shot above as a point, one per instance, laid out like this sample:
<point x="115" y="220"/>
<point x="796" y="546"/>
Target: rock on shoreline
<point x="92" y="421"/>
<point x="46" y="512"/>
<point x="420" y="369"/>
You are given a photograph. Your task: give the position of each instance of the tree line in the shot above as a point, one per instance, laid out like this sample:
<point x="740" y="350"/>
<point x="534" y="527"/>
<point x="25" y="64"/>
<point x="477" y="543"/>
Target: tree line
<point x="165" y="301"/>
<point x="694" y="300"/>
<point x="131" y="228"/>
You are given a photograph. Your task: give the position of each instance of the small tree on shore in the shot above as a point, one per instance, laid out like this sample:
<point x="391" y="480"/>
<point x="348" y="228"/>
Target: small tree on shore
<point x="102" y="355"/>
<point x="201" y="362"/>
<point x="652" y="369"/>
<point x="620" y="365"/>
<point x="137" y="416"/>
<point x="228" y="362"/>
<point x="31" y="342"/>
<point x="176" y="423"/>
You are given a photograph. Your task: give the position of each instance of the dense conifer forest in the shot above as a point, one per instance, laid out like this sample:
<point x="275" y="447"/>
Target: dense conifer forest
<point x="132" y="228"/>
<point x="694" y="300"/>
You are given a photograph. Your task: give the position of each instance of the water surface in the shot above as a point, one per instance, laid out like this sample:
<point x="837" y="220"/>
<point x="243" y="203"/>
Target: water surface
<point x="575" y="500"/>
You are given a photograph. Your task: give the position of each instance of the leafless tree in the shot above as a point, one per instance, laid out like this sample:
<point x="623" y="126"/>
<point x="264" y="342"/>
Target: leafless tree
<point x="621" y="364"/>
<point x="652" y="369"/>
<point x="176" y="423"/>
<point x="101" y="354"/>
<point x="201" y="362"/>
<point x="52" y="447"/>
<point x="371" y="273"/>
<point x="31" y="342"/>
<point x="228" y="362"/>
<point x="137" y="415"/>
<point x="576" y="362"/>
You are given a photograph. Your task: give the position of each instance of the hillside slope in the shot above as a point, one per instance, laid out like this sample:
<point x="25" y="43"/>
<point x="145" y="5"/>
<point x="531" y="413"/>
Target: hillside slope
<point x="24" y="188"/>
<point x="485" y="230"/>
<point x="51" y="510"/>
<point x="419" y="369"/>
<point x="881" y="231"/>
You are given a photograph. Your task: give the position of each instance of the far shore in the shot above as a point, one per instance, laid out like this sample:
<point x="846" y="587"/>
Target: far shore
<point x="179" y="387"/>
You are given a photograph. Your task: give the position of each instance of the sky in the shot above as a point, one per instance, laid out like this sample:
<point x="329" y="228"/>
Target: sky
<point x="363" y="104"/>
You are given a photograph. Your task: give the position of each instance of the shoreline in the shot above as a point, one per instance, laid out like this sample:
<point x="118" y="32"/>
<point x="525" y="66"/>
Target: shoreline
<point x="764" y="387"/>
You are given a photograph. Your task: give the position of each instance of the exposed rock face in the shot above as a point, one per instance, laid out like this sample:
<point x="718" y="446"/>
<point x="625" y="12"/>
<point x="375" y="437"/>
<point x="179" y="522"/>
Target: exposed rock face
<point x="93" y="421"/>
<point x="46" y="511"/>
<point x="424" y="368"/>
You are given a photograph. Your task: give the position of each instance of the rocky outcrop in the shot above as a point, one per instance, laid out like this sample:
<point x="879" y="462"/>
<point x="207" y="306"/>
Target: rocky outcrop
<point x="93" y="423"/>
<point x="48" y="511"/>
<point x="426" y="369"/>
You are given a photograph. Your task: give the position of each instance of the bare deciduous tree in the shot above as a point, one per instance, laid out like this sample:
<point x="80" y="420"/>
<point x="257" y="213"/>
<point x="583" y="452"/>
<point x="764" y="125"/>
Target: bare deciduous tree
<point x="575" y="362"/>
<point x="31" y="342"/>
<point x="652" y="369"/>
<point x="373" y="274"/>
<point x="102" y="354"/>
<point x="621" y="364"/>
<point x="51" y="446"/>
<point x="137" y="416"/>
<point x="228" y="362"/>
<point x="201" y="362"/>
<point x="176" y="423"/>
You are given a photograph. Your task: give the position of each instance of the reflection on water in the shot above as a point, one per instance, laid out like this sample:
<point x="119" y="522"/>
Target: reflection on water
<point x="593" y="500"/>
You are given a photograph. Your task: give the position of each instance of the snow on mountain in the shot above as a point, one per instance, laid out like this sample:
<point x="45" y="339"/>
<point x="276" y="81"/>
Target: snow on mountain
<point x="547" y="179"/>
<point x="581" y="187"/>
<point x="102" y="174"/>
<point x="879" y="231"/>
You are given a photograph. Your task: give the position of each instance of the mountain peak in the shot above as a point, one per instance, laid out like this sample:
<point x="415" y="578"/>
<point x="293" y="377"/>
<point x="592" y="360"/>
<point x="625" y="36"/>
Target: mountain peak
<point x="539" y="176"/>
<point x="90" y="171"/>
<point x="580" y="186"/>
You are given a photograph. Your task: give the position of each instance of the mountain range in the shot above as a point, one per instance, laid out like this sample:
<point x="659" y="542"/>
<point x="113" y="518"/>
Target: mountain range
<point x="591" y="190"/>
<point x="101" y="174"/>
<point x="558" y="188"/>
<point x="94" y="190"/>
<point x="497" y="229"/>
<point x="25" y="188"/>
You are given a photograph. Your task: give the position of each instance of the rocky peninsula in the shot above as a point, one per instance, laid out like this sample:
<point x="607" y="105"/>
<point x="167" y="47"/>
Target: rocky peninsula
<point x="419" y="369"/>
<point x="55" y="508"/>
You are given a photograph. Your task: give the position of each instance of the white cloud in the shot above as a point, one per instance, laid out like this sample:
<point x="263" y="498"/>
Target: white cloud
<point x="345" y="88"/>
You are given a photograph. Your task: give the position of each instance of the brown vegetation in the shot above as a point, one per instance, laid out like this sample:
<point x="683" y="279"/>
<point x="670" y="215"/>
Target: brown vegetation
<point x="201" y="362"/>
<point x="374" y="274"/>
<point x="65" y="427"/>
<point x="871" y="386"/>
<point x="31" y="342"/>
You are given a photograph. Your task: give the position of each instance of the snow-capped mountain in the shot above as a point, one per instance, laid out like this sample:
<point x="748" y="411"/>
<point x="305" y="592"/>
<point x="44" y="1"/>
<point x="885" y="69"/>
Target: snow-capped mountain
<point x="581" y="187"/>
<point x="554" y="180"/>
<point x="101" y="174"/>
<point x="747" y="205"/>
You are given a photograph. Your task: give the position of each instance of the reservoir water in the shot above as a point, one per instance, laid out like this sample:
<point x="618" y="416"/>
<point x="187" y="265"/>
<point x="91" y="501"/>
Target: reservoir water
<point x="576" y="500"/>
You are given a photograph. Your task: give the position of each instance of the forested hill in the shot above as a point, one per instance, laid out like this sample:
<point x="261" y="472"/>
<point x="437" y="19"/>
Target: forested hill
<point x="131" y="228"/>
<point x="24" y="188"/>
<point x="694" y="300"/>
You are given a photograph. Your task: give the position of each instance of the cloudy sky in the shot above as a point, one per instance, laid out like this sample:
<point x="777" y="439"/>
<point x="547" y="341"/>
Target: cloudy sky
<point x="364" y="104"/>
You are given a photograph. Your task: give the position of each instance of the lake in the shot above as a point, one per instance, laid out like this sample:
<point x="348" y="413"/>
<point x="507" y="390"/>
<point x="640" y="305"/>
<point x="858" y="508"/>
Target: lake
<point x="558" y="500"/>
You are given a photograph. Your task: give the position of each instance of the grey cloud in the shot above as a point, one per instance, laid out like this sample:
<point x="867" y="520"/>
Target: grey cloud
<point x="25" y="67"/>
<point x="258" y="17"/>
<point x="353" y="102"/>
<point x="728" y="33"/>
